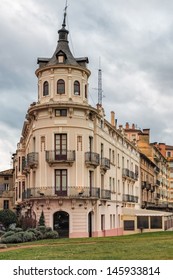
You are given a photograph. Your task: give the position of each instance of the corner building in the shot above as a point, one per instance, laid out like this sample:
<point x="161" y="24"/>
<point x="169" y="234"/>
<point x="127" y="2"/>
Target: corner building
<point x="71" y="163"/>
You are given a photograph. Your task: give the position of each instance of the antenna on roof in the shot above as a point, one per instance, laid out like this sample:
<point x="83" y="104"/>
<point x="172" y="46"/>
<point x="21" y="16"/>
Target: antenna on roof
<point x="65" y="14"/>
<point x="100" y="91"/>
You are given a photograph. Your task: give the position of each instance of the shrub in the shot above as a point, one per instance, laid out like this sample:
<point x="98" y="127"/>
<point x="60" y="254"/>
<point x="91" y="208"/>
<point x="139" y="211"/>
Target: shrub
<point x="8" y="233"/>
<point x="17" y="229"/>
<point x="7" y="217"/>
<point x="26" y="222"/>
<point x="38" y="234"/>
<point x="2" y="232"/>
<point x="15" y="238"/>
<point x="48" y="229"/>
<point x="42" y="219"/>
<point x="42" y="229"/>
<point x="51" y="234"/>
<point x="29" y="236"/>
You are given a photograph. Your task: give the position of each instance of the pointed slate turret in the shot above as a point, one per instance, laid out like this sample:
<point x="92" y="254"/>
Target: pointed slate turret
<point x="62" y="54"/>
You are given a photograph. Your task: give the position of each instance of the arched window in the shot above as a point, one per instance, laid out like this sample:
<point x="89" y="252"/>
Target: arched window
<point x="86" y="91"/>
<point x="76" y="88"/>
<point x="45" y="88"/>
<point x="60" y="87"/>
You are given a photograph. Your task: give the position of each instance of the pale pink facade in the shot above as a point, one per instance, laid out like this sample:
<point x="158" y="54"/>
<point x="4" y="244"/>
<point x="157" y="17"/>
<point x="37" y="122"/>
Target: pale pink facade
<point x="71" y="162"/>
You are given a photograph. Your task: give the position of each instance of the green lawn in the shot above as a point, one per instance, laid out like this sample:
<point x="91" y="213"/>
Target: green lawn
<point x="146" y="246"/>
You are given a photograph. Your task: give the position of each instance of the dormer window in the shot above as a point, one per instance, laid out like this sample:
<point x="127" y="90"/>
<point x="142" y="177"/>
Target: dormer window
<point x="60" y="87"/>
<point x="61" y="56"/>
<point x="45" y="88"/>
<point x="76" y="88"/>
<point x="61" y="59"/>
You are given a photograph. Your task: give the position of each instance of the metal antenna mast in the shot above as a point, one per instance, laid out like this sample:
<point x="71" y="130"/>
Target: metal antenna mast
<point x="100" y="91"/>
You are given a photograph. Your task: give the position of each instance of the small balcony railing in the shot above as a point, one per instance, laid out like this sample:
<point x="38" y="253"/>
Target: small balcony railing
<point x="32" y="160"/>
<point x="157" y="183"/>
<point x="129" y="174"/>
<point x="157" y="196"/>
<point x="130" y="198"/>
<point x="92" y="159"/>
<point x="105" y="194"/>
<point x="105" y="164"/>
<point x="29" y="162"/>
<point x="59" y="156"/>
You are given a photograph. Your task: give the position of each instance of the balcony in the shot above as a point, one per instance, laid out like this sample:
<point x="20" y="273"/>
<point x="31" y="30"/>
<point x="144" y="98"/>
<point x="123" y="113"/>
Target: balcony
<point x="105" y="164"/>
<point x="157" y="196"/>
<point x="60" y="156"/>
<point x="156" y="169"/>
<point x="70" y="192"/>
<point x="129" y="174"/>
<point x="157" y="183"/>
<point x="105" y="194"/>
<point x="32" y="160"/>
<point x="92" y="159"/>
<point x="130" y="198"/>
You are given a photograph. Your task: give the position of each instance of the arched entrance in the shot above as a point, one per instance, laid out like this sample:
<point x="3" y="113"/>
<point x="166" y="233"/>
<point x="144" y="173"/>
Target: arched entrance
<point x="90" y="222"/>
<point x="61" y="223"/>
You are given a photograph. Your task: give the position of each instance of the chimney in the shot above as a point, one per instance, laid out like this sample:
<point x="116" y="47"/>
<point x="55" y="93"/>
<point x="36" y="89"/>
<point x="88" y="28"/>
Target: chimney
<point x="133" y="126"/>
<point x="112" y="118"/>
<point x="127" y="125"/>
<point x="146" y="131"/>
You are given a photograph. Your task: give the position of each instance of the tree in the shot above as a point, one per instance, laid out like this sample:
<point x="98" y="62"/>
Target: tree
<point x="42" y="219"/>
<point x="7" y="217"/>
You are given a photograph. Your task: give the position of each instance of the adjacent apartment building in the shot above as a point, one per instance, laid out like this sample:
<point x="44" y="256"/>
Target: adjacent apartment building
<point x="6" y="190"/>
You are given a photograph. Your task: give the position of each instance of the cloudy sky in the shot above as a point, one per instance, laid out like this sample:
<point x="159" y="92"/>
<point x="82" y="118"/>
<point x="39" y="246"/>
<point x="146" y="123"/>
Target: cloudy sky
<point x="133" y="39"/>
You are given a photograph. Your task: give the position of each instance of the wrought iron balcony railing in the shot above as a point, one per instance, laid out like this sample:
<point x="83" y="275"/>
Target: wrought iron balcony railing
<point x="77" y="192"/>
<point x="129" y="174"/>
<point x="32" y="159"/>
<point x="105" y="163"/>
<point x="92" y="159"/>
<point x="130" y="198"/>
<point x="105" y="194"/>
<point x="71" y="192"/>
<point x="59" y="156"/>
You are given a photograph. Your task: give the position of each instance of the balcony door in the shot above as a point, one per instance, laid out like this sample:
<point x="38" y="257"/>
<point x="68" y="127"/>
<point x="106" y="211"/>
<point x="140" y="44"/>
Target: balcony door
<point x="91" y="178"/>
<point x="60" y="146"/>
<point x="61" y="182"/>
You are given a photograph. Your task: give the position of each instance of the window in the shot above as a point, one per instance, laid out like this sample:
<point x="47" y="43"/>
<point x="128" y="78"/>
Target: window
<point x="61" y="112"/>
<point x="86" y="91"/>
<point x="129" y="225"/>
<point x="6" y="204"/>
<point x="60" y="87"/>
<point x="6" y="187"/>
<point x="142" y="222"/>
<point x="118" y="160"/>
<point x="156" y="222"/>
<point x="45" y="88"/>
<point x="60" y="146"/>
<point x="79" y="143"/>
<point x="61" y="182"/>
<point x="110" y="153"/>
<point x="113" y="157"/>
<point x="6" y="178"/>
<point x="110" y="183"/>
<point x="102" y="222"/>
<point x="90" y="144"/>
<point x="168" y="154"/>
<point x="76" y="88"/>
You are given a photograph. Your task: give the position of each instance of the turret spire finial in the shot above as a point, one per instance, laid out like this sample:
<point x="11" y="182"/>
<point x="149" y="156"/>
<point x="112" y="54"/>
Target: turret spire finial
<point x="65" y="14"/>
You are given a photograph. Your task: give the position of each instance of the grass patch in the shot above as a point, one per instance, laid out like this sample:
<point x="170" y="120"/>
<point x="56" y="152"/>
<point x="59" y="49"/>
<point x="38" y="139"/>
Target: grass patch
<point x="146" y="246"/>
